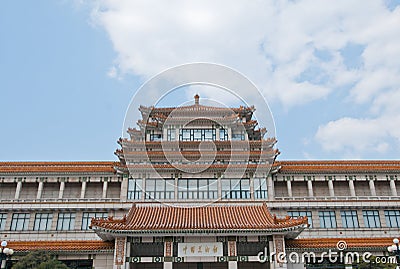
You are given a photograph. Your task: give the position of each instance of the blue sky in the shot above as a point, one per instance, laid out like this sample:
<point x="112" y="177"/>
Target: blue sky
<point x="68" y="70"/>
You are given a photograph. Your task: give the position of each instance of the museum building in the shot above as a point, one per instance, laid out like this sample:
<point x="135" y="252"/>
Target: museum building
<point x="198" y="187"/>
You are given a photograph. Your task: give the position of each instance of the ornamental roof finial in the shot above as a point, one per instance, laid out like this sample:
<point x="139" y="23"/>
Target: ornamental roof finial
<point x="196" y="99"/>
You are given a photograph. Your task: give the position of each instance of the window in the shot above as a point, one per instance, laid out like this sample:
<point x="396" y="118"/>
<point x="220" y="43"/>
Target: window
<point x="235" y="188"/>
<point x="327" y="219"/>
<point x="223" y="134"/>
<point x="371" y="219"/>
<point x="160" y="188"/>
<point x="66" y="221"/>
<point x="260" y="188"/>
<point x="197" y="188"/>
<point x="238" y="136"/>
<point x="43" y="221"/>
<point x="20" y="222"/>
<point x="3" y="219"/>
<point x="87" y="218"/>
<point x="171" y="134"/>
<point x="197" y="134"/>
<point x="134" y="189"/>
<point x="296" y="214"/>
<point x="155" y="136"/>
<point x="349" y="219"/>
<point x="392" y="218"/>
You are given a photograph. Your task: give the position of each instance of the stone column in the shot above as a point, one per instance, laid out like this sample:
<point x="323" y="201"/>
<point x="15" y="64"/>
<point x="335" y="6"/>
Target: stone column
<point x="372" y="187"/>
<point x="83" y="189"/>
<point x="251" y="182"/>
<point x="289" y="188"/>
<point x="310" y="188"/>
<point x="331" y="189"/>
<point x="40" y="190"/>
<point x="168" y="255"/>
<point x="393" y="187"/>
<point x="62" y="188"/>
<point x="232" y="252"/>
<point x="18" y="190"/>
<point x="352" y="189"/>
<point x="217" y="134"/>
<point x="123" y="195"/>
<point x="105" y="186"/>
<point x="279" y="249"/>
<point x="270" y="188"/>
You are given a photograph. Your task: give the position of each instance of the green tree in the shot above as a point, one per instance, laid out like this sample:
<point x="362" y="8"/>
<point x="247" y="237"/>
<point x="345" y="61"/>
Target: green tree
<point x="39" y="259"/>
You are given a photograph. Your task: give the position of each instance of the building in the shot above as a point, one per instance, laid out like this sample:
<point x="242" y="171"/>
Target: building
<point x="198" y="187"/>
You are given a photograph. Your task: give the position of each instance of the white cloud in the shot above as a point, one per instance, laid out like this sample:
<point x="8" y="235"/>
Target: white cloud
<point x="274" y="43"/>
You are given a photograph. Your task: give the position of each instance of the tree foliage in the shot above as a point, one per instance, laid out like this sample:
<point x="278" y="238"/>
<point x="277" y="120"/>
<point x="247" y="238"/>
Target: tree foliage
<point x="39" y="259"/>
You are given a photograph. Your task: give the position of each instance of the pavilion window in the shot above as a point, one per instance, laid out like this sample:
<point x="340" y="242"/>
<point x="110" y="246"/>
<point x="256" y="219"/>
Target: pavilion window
<point x="371" y="218"/>
<point x="296" y="214"/>
<point x="260" y="188"/>
<point x="171" y="134"/>
<point x="238" y="136"/>
<point x="235" y="188"/>
<point x="197" y="188"/>
<point x="3" y="219"/>
<point x="20" y="222"/>
<point x="349" y="219"/>
<point x="66" y="221"/>
<point x="392" y="218"/>
<point x="197" y="134"/>
<point x="43" y="221"/>
<point x="160" y="189"/>
<point x="327" y="219"/>
<point x="155" y="136"/>
<point x="223" y="135"/>
<point x="134" y="189"/>
<point x="87" y="217"/>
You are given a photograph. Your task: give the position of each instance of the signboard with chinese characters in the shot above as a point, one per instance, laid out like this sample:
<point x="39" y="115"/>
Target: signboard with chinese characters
<point x="200" y="249"/>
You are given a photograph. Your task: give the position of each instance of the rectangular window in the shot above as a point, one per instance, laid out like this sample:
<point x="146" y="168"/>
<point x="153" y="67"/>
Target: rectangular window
<point x="371" y="219"/>
<point x="155" y="136"/>
<point x="197" y="188"/>
<point x="160" y="189"/>
<point x="134" y="189"/>
<point x="238" y="136"/>
<point x="20" y="222"/>
<point x="260" y="188"/>
<point x="235" y="188"/>
<point x="223" y="135"/>
<point x="3" y="219"/>
<point x="171" y="134"/>
<point x="197" y="134"/>
<point x="327" y="219"/>
<point x="392" y="218"/>
<point x="66" y="221"/>
<point x="349" y="219"/>
<point x="296" y="214"/>
<point x="43" y="221"/>
<point x="87" y="218"/>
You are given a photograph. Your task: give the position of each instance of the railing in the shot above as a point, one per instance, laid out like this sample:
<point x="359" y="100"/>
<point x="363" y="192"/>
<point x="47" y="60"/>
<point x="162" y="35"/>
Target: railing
<point x="335" y="198"/>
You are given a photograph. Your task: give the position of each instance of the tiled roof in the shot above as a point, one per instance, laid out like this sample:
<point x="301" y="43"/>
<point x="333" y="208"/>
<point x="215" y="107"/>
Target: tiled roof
<point x="211" y="217"/>
<point x="68" y="245"/>
<point x="332" y="243"/>
<point x="58" y="167"/>
<point x="338" y="166"/>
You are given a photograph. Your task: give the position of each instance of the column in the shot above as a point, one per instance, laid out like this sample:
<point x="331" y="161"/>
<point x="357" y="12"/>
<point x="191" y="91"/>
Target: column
<point x="217" y="134"/>
<point x="351" y="187"/>
<point x="40" y="190"/>
<point x="61" y="192"/>
<point x="270" y="188"/>
<point x="331" y="189"/>
<point x="119" y="253"/>
<point x="289" y="188"/>
<point x="393" y="187"/>
<point x="310" y="188"/>
<point x="124" y="188"/>
<point x="279" y="249"/>
<point x="232" y="252"/>
<point x="83" y="189"/>
<point x="105" y="186"/>
<point x="372" y="187"/>
<point x="168" y="253"/>
<point x="251" y="182"/>
<point x="18" y="190"/>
